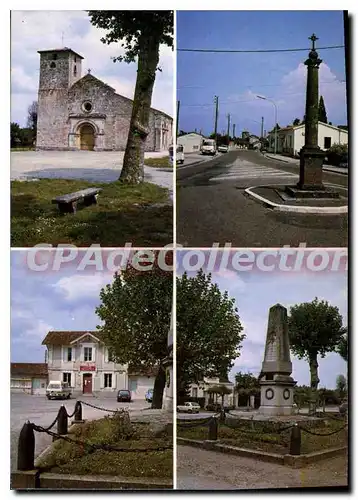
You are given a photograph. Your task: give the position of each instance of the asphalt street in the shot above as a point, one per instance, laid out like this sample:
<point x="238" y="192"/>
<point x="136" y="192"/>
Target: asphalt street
<point x="40" y="411"/>
<point x="199" y="469"/>
<point x="213" y="208"/>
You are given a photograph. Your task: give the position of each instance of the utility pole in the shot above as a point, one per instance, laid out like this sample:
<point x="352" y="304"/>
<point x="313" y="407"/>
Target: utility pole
<point x="216" y="101"/>
<point x="262" y="126"/>
<point x="233" y="130"/>
<point x="228" y="126"/>
<point x="178" y="109"/>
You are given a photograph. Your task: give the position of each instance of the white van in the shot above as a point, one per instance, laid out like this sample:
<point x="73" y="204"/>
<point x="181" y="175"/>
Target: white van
<point x="58" y="390"/>
<point x="208" y="147"/>
<point x="179" y="154"/>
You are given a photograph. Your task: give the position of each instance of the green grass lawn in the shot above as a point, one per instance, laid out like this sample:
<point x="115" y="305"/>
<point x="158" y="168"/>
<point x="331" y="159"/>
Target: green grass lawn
<point x="259" y="439"/>
<point x="69" y="458"/>
<point x="158" y="162"/>
<point x="122" y="215"/>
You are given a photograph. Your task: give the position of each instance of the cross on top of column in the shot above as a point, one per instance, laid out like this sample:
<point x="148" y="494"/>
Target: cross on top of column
<point x="313" y="38"/>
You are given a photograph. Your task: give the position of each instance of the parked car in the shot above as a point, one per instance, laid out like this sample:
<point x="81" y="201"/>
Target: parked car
<point x="189" y="407"/>
<point x="58" y="390"/>
<point x="149" y="395"/>
<point x="223" y="148"/>
<point x="124" y="396"/>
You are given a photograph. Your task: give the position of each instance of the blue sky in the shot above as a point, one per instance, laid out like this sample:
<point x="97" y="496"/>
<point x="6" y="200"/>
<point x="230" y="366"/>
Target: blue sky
<point x="240" y="77"/>
<point x="255" y="292"/>
<point x="44" y="301"/>
<point x="40" y="30"/>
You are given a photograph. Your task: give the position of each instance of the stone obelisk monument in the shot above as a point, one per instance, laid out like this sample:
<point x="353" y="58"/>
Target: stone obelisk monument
<point x="276" y="381"/>
<point x="168" y="363"/>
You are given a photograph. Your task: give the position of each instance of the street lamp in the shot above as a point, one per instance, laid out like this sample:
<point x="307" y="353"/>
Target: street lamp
<point x="273" y="102"/>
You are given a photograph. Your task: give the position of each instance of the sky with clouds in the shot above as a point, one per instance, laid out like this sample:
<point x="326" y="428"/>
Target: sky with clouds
<point x="255" y="292"/>
<point x="238" y="78"/>
<point x="41" y="30"/>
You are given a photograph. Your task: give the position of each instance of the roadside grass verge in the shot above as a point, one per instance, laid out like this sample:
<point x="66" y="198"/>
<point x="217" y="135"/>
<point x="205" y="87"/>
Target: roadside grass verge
<point x="162" y="162"/>
<point x="69" y="458"/>
<point x="122" y="214"/>
<point x="272" y="442"/>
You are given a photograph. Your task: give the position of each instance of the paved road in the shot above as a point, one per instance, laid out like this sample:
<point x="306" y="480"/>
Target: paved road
<point x="191" y="158"/>
<point x="199" y="469"/>
<point x="40" y="411"/>
<point x="212" y="206"/>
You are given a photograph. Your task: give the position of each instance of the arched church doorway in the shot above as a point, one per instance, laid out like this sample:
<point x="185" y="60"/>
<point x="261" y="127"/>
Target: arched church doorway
<point x="87" y="137"/>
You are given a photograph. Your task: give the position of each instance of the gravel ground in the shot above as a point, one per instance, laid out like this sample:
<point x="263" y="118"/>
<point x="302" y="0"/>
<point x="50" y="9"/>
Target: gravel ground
<point x="87" y="165"/>
<point x="199" y="469"/>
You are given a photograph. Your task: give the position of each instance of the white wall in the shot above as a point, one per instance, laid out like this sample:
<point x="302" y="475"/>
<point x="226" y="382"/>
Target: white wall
<point x="338" y="136"/>
<point x="139" y="385"/>
<point x="190" y="142"/>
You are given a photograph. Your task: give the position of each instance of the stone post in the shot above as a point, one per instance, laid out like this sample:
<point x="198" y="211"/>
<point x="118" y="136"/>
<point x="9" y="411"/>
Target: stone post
<point x="26" y="448"/>
<point x="311" y="156"/>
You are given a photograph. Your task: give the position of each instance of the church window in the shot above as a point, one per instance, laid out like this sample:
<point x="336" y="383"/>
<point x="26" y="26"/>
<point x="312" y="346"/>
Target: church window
<point x="53" y="65"/>
<point x="75" y="70"/>
<point x="87" y="106"/>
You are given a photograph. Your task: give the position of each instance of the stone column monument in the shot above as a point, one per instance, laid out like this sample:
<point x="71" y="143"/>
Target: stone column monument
<point x="276" y="383"/>
<point x="311" y="155"/>
<point x="168" y="363"/>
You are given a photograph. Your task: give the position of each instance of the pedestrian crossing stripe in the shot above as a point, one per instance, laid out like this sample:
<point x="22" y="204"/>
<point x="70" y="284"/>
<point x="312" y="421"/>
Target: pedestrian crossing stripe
<point x="245" y="173"/>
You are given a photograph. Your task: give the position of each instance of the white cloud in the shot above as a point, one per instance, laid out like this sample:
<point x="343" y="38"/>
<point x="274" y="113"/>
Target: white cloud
<point x="82" y="286"/>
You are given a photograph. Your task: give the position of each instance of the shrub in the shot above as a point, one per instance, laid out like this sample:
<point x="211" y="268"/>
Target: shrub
<point x="337" y="153"/>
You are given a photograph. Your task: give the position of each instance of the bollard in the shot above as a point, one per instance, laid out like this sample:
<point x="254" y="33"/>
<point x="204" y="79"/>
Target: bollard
<point x="62" y="423"/>
<point x="78" y="412"/>
<point x="213" y="429"/>
<point x="26" y="448"/>
<point x="295" y="444"/>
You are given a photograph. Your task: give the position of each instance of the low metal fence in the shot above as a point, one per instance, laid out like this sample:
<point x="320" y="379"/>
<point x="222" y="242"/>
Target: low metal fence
<point x="26" y="442"/>
<point x="294" y="444"/>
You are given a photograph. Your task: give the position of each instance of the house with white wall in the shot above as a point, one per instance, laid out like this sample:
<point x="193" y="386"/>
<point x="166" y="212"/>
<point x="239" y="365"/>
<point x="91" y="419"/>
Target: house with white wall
<point x="29" y="378"/>
<point x="201" y="390"/>
<point x="290" y="140"/>
<point x="191" y="142"/>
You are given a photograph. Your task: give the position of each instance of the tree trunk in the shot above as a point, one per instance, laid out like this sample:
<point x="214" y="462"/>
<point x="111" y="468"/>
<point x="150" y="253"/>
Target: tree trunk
<point x="159" y="385"/>
<point x="314" y="383"/>
<point x="133" y="163"/>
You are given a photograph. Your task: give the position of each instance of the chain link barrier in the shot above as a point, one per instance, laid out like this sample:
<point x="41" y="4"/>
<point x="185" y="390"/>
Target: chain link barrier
<point x="325" y="434"/>
<point x="121" y="410"/>
<point x="93" y="446"/>
<point x="53" y="423"/>
<point x="191" y="424"/>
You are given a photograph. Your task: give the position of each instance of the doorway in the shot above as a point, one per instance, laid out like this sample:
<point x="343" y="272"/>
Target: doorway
<point x="87" y="137"/>
<point x="87" y="383"/>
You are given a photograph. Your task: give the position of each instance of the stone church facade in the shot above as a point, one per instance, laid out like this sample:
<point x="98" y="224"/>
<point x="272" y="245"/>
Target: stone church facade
<point x="78" y="112"/>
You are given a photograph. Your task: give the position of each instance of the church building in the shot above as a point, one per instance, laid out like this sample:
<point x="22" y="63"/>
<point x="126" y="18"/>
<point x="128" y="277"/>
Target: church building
<point x="78" y="112"/>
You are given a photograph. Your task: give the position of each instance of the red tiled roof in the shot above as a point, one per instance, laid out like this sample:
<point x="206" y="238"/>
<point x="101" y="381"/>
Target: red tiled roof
<point x="66" y="337"/>
<point x="29" y="369"/>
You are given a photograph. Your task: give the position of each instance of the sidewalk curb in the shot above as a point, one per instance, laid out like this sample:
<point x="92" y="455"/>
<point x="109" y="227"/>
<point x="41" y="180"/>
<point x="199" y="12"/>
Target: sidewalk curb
<point x="327" y="168"/>
<point x="295" y="209"/>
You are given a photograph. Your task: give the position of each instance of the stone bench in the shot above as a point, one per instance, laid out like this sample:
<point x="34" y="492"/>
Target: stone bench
<point x="67" y="203"/>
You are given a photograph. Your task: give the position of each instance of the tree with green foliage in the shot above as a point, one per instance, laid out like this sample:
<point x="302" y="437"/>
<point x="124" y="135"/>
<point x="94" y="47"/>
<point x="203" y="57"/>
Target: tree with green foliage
<point x="246" y="385"/>
<point x="140" y="33"/>
<point x="209" y="331"/>
<point x="135" y="310"/>
<point x="341" y="386"/>
<point x="342" y="347"/>
<point x="219" y="390"/>
<point x="32" y="120"/>
<point x="15" y="135"/>
<point x="296" y="122"/>
<point x="315" y="328"/>
<point x="322" y="115"/>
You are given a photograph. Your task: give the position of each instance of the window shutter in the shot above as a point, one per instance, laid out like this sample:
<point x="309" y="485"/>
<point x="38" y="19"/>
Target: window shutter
<point x="82" y="357"/>
<point x="93" y="354"/>
<point x="102" y="380"/>
<point x="106" y="355"/>
<point x="114" y="380"/>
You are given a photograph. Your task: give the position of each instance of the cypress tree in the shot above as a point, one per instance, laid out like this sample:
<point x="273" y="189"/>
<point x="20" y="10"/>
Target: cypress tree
<point x="322" y="115"/>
